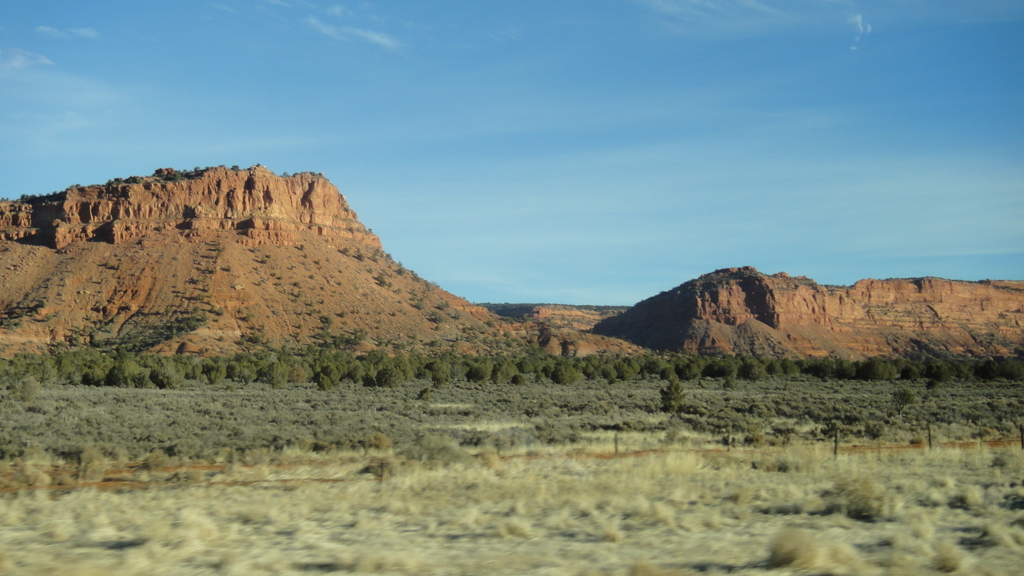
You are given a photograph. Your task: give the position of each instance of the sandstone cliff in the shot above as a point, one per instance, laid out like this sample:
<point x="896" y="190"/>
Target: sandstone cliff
<point x="256" y="203"/>
<point x="219" y="260"/>
<point x="741" y="311"/>
<point x="214" y="261"/>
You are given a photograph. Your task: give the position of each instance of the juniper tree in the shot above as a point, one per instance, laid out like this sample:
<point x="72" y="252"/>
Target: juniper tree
<point x="902" y="399"/>
<point x="672" y="396"/>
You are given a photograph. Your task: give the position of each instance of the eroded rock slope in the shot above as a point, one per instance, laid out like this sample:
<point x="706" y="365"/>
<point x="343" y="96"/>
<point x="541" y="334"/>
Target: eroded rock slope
<point x="742" y="311"/>
<point x="219" y="260"/>
<point x="209" y="260"/>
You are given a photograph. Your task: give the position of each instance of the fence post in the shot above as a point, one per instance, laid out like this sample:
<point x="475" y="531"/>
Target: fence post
<point x="929" y="435"/>
<point x="616" y="445"/>
<point x="835" y="445"/>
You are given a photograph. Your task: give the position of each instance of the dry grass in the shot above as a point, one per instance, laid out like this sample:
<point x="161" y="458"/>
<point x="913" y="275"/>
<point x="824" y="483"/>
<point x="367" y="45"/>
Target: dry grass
<point x="802" y="550"/>
<point x="949" y="557"/>
<point x="679" y="512"/>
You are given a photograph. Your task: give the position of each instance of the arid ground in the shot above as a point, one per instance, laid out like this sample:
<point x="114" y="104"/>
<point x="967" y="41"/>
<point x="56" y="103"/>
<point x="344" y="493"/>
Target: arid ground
<point x="470" y="483"/>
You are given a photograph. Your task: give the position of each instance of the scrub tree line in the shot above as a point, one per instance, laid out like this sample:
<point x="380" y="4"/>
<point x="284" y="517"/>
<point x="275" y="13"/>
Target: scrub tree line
<point x="329" y="369"/>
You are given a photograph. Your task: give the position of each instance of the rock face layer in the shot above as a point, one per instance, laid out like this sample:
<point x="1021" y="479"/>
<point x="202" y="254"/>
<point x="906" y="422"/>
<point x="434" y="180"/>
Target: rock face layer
<point x="255" y="202"/>
<point x="556" y="316"/>
<point x="219" y="260"/>
<point x="213" y="261"/>
<point x="741" y="311"/>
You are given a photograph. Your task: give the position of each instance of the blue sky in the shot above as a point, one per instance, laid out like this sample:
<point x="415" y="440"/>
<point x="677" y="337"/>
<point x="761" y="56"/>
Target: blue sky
<point x="570" y="151"/>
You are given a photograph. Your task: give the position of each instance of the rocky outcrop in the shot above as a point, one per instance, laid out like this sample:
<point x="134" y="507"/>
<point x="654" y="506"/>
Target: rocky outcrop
<point x="572" y="343"/>
<point x="219" y="260"/>
<point x="575" y="317"/>
<point x="255" y="203"/>
<point x="211" y="261"/>
<point x="740" y="310"/>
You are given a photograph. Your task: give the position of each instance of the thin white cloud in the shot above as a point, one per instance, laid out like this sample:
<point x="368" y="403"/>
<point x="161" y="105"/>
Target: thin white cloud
<point x="325" y="28"/>
<point x="724" y="18"/>
<point x="378" y="38"/>
<point x="13" y="59"/>
<point x="85" y="32"/>
<point x="732" y="17"/>
<point x="858" y="23"/>
<point x="862" y="28"/>
<point x="89" y="33"/>
<point x="513" y="34"/>
<point x="338" y="10"/>
<point x="670" y="7"/>
<point x="46" y="30"/>
<point x="349" y="34"/>
<point x="277" y="2"/>
<point x="682" y="8"/>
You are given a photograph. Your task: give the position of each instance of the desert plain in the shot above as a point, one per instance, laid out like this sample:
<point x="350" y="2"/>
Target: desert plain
<point x="590" y="478"/>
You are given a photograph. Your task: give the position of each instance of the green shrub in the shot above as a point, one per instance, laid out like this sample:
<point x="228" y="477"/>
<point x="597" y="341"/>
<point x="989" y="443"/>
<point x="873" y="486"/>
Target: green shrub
<point x="388" y="377"/>
<point x="566" y="374"/>
<point x="128" y="374"/>
<point x="480" y="370"/>
<point x="939" y="371"/>
<point x="214" y="371"/>
<point x="751" y="369"/>
<point x="610" y="374"/>
<point x="689" y="369"/>
<point x="27" y="389"/>
<point x="1012" y="370"/>
<point x="298" y="373"/>
<point x="910" y="372"/>
<point x="672" y="396"/>
<point x="721" y="368"/>
<point x="625" y="370"/>
<point x="440" y="373"/>
<point x="876" y="369"/>
<point x="277" y="375"/>
<point x="167" y="378"/>
<point x="241" y="370"/>
<point x="504" y="372"/>
<point x="327" y="376"/>
<point x="903" y="399"/>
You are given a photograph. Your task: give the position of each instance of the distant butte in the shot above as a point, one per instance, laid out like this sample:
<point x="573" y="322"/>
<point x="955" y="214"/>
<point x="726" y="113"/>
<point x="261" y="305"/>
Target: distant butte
<point x="742" y="311"/>
<point x="219" y="260"/>
<point x="261" y="206"/>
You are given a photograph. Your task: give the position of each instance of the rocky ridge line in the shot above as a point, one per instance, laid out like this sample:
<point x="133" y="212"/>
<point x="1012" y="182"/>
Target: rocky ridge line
<point x="260" y="206"/>
<point x="219" y="260"/>
<point x="742" y="311"/>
